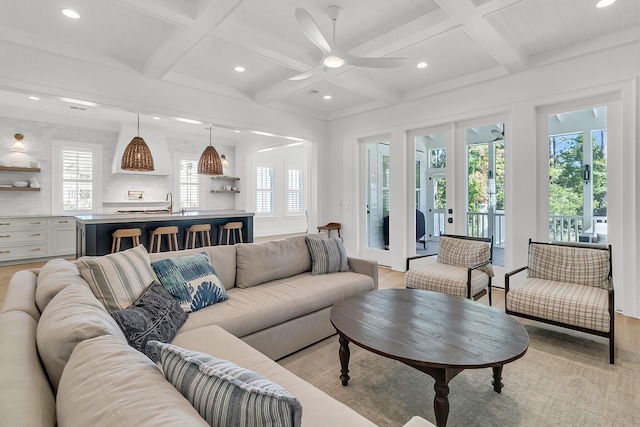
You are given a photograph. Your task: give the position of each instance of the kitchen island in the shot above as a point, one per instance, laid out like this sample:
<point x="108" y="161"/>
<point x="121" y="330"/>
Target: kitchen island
<point x="93" y="232"/>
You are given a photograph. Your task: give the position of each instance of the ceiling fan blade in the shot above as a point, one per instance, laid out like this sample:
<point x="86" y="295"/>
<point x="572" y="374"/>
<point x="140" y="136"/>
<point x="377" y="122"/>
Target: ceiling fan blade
<point x="311" y="30"/>
<point x="376" y="62"/>
<point x="307" y="74"/>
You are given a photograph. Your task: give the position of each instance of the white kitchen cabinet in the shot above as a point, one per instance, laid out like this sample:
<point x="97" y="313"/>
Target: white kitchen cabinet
<point x="23" y="238"/>
<point x="62" y="239"/>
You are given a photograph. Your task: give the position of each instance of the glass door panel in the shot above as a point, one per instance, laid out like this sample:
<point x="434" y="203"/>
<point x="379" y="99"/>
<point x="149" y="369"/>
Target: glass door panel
<point x="578" y="176"/>
<point x="485" y="185"/>
<point x="377" y="171"/>
<point x="431" y="163"/>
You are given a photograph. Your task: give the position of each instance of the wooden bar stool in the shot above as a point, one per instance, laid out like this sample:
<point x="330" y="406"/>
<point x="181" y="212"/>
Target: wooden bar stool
<point x="172" y="238"/>
<point x="235" y="227"/>
<point x="117" y="236"/>
<point x="192" y="232"/>
<point x="331" y="226"/>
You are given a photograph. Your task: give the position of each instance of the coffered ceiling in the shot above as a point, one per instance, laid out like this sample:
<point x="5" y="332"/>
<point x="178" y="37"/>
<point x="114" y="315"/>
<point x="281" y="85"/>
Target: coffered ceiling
<point x="198" y="43"/>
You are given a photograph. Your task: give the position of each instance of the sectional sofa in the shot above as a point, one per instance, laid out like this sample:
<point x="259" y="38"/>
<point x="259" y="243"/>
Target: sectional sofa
<point x="65" y="361"/>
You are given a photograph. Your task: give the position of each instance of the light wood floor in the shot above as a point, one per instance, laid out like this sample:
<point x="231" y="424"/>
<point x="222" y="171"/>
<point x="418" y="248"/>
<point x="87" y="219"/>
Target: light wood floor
<point x="627" y="328"/>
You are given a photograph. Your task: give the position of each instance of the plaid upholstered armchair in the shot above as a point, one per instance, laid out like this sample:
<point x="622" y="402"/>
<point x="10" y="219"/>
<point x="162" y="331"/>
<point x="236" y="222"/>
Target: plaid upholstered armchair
<point x="567" y="285"/>
<point x="463" y="268"/>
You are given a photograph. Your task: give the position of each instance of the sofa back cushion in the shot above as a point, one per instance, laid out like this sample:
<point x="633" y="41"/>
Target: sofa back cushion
<point x="54" y="276"/>
<point x="117" y="280"/>
<point x="560" y="263"/>
<point x="464" y="253"/>
<point x="107" y="383"/>
<point x="222" y="258"/>
<point x="72" y="316"/>
<point x="262" y="262"/>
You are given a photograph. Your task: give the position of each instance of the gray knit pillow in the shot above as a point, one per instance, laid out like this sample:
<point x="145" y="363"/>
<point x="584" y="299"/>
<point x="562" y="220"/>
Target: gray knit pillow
<point x="327" y="256"/>
<point x="225" y="394"/>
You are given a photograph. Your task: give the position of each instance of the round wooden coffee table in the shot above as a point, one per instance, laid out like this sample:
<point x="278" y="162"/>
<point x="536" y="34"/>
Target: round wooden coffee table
<point x="438" y="334"/>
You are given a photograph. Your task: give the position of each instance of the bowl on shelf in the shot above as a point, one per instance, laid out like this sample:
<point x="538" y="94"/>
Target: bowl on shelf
<point x="20" y="184"/>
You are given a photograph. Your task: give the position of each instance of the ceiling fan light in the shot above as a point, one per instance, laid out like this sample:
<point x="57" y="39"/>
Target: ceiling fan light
<point x="333" y="61"/>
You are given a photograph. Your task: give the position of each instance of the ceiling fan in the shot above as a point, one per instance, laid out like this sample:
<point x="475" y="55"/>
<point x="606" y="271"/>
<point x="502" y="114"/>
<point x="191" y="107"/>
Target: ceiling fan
<point x="332" y="55"/>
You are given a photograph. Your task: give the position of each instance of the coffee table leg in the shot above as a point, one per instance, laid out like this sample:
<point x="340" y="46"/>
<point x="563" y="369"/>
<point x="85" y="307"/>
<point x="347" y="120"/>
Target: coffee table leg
<point x="497" y="379"/>
<point x="441" y="402"/>
<point x="344" y="354"/>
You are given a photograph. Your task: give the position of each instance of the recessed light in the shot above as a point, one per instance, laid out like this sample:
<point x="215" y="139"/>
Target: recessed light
<point x="239" y="69"/>
<point x="236" y="131"/>
<point x="605" y="3"/>
<point x="156" y="118"/>
<point x="327" y="97"/>
<point x="71" y="14"/>
<point x="193" y="122"/>
<point x="422" y="65"/>
<point x="78" y="101"/>
<point x="35" y="98"/>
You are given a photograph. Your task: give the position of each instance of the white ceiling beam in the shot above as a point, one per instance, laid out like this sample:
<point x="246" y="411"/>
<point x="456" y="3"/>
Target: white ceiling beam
<point x="182" y="41"/>
<point x="285" y="88"/>
<point x="473" y="20"/>
<point x="164" y="10"/>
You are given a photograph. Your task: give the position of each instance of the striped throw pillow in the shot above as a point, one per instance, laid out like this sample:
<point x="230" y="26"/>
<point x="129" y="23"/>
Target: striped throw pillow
<point x="225" y="394"/>
<point x="327" y="256"/>
<point x="117" y="280"/>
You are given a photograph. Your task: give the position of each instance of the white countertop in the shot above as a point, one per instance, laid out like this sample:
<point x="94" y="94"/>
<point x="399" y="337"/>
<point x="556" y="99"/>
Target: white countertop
<point x="147" y="217"/>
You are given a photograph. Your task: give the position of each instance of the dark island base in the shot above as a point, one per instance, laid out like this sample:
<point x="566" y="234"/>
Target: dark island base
<point x="95" y="239"/>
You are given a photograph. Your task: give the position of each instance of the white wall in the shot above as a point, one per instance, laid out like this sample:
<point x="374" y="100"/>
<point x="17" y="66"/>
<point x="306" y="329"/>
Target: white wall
<point x="522" y="101"/>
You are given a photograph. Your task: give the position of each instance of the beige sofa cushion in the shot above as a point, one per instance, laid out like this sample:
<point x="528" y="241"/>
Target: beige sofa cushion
<point x="72" y="316"/>
<point x="107" y="383"/>
<point x="319" y="409"/>
<point x="262" y="262"/>
<point x="222" y="258"/>
<point x="259" y="307"/>
<point x="117" y="280"/>
<point x="54" y="276"/>
<point x="25" y="394"/>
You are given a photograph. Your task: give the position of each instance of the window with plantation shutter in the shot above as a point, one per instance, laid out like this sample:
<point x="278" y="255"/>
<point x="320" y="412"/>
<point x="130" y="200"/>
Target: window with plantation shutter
<point x="294" y="191"/>
<point x="77" y="180"/>
<point x="264" y="189"/>
<point x="189" y="184"/>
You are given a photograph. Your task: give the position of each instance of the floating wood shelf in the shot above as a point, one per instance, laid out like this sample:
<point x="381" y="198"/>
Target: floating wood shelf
<point x="225" y="191"/>
<point x="228" y="178"/>
<point x="18" y="169"/>
<point x="18" y="189"/>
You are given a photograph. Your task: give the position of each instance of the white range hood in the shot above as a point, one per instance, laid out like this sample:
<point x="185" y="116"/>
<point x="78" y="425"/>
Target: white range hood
<point x="157" y="143"/>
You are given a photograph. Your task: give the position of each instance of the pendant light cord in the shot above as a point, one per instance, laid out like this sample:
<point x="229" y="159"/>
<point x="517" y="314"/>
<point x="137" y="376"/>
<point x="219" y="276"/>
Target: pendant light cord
<point x="138" y="124"/>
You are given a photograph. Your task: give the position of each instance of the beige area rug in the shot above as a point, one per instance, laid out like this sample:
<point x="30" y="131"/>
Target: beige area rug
<point x="562" y="380"/>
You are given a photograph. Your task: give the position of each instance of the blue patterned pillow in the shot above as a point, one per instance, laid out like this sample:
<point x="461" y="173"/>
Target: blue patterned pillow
<point x="225" y="394"/>
<point x="154" y="316"/>
<point x="327" y="256"/>
<point x="191" y="280"/>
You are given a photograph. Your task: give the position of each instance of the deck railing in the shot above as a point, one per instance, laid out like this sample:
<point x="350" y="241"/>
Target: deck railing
<point x="478" y="226"/>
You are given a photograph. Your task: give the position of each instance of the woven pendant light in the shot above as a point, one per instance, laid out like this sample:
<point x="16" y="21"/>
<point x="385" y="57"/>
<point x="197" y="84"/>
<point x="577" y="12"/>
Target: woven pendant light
<point x="137" y="156"/>
<point x="210" y="163"/>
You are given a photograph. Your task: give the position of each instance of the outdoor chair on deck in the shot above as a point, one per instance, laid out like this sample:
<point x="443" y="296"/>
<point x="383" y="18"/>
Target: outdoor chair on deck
<point x="463" y="268"/>
<point x="568" y="285"/>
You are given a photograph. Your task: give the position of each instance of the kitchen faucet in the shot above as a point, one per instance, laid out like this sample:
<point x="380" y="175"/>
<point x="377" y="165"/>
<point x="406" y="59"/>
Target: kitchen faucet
<point x="169" y="199"/>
